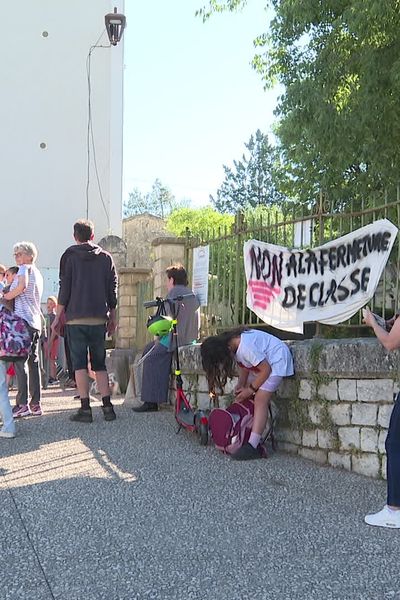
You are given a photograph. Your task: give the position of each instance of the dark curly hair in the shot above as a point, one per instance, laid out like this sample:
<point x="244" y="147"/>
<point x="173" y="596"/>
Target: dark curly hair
<point x="218" y="361"/>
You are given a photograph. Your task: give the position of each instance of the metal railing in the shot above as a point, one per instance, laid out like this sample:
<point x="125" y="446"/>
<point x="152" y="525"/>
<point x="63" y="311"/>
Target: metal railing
<point x="290" y="226"/>
<point x="144" y="293"/>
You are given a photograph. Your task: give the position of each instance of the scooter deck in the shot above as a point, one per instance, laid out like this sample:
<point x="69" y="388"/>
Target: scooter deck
<point x="187" y="417"/>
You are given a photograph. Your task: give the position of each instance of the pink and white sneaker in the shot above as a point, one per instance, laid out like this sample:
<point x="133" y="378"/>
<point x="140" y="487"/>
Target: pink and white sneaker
<point x="36" y="410"/>
<point x="21" y="411"/>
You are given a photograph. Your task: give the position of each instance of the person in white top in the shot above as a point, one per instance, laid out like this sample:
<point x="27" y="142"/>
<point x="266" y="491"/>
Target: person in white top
<point x="26" y="291"/>
<point x="262" y="361"/>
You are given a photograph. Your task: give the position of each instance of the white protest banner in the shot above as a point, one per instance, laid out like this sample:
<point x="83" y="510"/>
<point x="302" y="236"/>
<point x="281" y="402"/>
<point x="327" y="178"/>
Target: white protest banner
<point x="200" y="273"/>
<point x="329" y="284"/>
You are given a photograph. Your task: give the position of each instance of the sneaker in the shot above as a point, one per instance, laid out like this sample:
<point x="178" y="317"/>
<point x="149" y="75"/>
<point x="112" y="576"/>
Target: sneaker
<point x="82" y="415"/>
<point x="109" y="413"/>
<point x="384" y="518"/>
<point x="7" y="434"/>
<point x="248" y="452"/>
<point x="21" y="411"/>
<point x="52" y="381"/>
<point x="36" y="410"/>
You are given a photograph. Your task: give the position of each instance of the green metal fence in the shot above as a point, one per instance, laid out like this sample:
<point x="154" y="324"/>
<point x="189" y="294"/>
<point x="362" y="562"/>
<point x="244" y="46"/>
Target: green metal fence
<point x="290" y="226"/>
<point x="144" y="292"/>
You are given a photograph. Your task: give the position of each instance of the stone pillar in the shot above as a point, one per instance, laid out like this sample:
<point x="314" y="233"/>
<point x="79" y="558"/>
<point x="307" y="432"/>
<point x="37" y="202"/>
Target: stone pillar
<point x="168" y="251"/>
<point x="127" y="305"/>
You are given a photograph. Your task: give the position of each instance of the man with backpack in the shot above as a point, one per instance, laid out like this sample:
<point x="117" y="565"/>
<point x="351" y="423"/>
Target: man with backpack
<point x="88" y="295"/>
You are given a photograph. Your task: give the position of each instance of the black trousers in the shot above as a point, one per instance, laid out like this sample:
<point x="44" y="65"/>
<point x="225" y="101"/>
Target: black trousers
<point x="392" y="445"/>
<point x="28" y="373"/>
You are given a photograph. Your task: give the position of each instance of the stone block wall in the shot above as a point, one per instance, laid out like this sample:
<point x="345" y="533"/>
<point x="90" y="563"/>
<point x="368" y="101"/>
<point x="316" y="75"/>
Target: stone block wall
<point x="335" y="410"/>
<point x="167" y="251"/>
<point x="127" y="305"/>
<point x="138" y="233"/>
<point x="342" y="423"/>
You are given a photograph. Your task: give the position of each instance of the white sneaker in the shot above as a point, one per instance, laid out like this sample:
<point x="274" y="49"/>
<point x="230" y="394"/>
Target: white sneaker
<point x="7" y="434"/>
<point x="384" y="518"/>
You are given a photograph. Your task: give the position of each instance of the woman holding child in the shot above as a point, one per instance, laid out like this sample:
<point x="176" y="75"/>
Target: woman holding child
<point x="26" y="292"/>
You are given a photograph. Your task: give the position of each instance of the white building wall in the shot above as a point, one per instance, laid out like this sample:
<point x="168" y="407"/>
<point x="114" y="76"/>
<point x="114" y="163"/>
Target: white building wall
<point x="44" y="100"/>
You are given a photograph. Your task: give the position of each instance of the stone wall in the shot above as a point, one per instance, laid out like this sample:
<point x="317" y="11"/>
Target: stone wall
<point x="335" y="410"/>
<point x="167" y="251"/>
<point x="117" y="248"/>
<point x="127" y="306"/>
<point x="138" y="232"/>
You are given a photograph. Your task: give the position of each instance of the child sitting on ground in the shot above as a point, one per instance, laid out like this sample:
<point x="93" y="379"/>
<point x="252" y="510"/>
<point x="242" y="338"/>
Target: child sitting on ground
<point x="262" y="361"/>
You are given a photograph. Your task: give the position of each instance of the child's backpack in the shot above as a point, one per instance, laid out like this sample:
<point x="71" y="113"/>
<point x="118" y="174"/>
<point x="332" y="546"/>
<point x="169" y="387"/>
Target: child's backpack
<point x="15" y="339"/>
<point x="231" y="427"/>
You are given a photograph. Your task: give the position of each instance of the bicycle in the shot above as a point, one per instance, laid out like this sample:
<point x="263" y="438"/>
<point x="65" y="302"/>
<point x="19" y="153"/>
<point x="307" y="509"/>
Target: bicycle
<point x="160" y="324"/>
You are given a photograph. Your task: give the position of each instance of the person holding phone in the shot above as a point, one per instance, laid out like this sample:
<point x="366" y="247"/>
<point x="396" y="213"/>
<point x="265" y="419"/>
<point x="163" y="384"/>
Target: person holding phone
<point x="389" y="516"/>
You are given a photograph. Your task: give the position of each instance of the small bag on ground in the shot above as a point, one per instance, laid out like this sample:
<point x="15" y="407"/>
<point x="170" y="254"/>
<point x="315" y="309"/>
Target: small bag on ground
<point x="231" y="427"/>
<point x="15" y="338"/>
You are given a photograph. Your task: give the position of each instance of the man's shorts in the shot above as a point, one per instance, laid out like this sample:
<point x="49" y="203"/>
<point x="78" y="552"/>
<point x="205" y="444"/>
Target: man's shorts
<point x="84" y="338"/>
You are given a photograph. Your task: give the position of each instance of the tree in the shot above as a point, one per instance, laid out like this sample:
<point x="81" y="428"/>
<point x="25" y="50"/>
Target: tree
<point x="135" y="205"/>
<point x="197" y="221"/>
<point x="161" y="199"/>
<point x="251" y="182"/>
<point x="159" y="202"/>
<point x="339" y="115"/>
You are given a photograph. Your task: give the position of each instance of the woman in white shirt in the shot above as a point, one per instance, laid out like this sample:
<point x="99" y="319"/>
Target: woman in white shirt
<point x="26" y="291"/>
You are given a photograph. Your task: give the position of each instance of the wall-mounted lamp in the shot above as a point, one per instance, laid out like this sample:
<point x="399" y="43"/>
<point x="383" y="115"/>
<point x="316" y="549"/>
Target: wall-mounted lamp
<point x="115" y="25"/>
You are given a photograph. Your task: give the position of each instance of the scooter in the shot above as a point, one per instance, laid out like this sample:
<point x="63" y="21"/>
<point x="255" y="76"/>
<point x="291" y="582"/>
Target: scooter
<point x="161" y="324"/>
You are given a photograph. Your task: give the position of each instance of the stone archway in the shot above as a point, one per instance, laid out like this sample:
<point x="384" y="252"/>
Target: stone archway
<point x="116" y="247"/>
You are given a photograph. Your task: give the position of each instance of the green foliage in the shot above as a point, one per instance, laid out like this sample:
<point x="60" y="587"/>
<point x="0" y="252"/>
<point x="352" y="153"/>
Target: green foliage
<point x="217" y="7"/>
<point x="251" y="182"/>
<point x="339" y="116"/>
<point x="197" y="221"/>
<point x="159" y="202"/>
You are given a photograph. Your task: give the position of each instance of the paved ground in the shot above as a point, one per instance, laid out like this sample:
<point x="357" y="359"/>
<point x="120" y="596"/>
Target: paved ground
<point x="129" y="510"/>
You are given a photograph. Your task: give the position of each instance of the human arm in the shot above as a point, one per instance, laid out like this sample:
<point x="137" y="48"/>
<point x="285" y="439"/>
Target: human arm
<point x="389" y="340"/>
<point x="55" y="326"/>
<point x="64" y="292"/>
<point x="263" y="372"/>
<point x="112" y="322"/>
<point x="112" y="295"/>
<point x="19" y="288"/>
<point x="242" y="380"/>
<point x="390" y="322"/>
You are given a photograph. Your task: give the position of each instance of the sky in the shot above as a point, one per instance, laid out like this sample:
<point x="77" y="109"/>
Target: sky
<point x="192" y="99"/>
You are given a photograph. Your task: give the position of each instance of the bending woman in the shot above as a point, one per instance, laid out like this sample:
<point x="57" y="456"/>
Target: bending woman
<point x="262" y="361"/>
